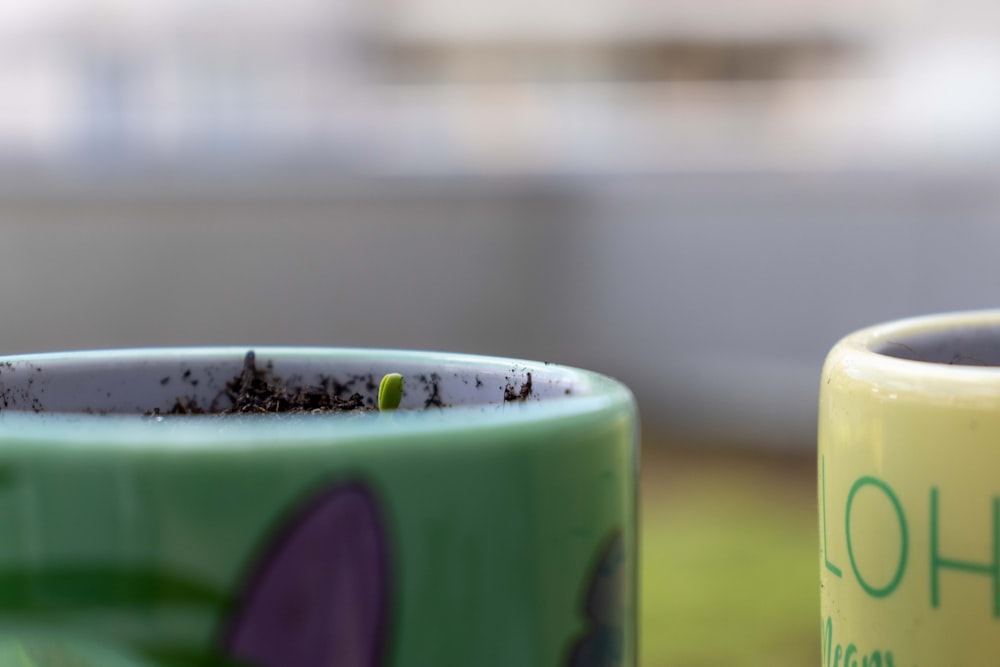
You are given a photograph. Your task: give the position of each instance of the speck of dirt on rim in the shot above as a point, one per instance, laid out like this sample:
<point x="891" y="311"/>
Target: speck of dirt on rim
<point x="511" y="393"/>
<point x="432" y="385"/>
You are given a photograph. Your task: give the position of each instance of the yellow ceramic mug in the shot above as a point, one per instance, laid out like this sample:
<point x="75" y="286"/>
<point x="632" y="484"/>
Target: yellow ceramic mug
<point x="909" y="494"/>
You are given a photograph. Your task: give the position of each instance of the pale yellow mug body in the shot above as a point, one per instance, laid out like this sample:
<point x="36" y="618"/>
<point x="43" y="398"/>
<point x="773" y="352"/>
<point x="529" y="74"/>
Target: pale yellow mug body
<point x="909" y="494"/>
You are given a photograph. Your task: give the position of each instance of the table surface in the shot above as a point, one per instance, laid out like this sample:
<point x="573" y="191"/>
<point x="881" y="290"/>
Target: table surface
<point x="728" y="566"/>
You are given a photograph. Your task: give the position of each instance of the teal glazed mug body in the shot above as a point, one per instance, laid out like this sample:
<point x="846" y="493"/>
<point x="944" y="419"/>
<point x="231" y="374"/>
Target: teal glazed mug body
<point x="491" y="520"/>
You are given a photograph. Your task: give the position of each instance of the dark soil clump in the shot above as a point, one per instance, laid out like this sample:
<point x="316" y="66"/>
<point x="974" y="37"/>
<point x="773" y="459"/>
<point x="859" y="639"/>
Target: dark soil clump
<point x="433" y="387"/>
<point x="259" y="391"/>
<point x="511" y="394"/>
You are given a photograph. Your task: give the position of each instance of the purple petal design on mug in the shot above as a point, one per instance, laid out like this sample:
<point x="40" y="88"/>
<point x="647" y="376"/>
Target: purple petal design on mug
<point x="319" y="594"/>
<point x="601" y="646"/>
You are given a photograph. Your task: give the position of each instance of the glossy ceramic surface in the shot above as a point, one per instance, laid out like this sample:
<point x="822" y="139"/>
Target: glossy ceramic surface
<point x="909" y="494"/>
<point x="486" y="532"/>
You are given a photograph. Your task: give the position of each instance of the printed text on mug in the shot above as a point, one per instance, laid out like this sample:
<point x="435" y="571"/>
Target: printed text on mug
<point x="939" y="557"/>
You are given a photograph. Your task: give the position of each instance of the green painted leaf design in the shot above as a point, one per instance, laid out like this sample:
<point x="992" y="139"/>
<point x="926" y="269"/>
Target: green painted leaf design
<point x="8" y="475"/>
<point x="80" y="587"/>
<point x="172" y="656"/>
<point x="51" y="649"/>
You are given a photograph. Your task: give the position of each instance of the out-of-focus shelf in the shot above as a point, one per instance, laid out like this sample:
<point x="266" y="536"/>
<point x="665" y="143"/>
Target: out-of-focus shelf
<point x="537" y="130"/>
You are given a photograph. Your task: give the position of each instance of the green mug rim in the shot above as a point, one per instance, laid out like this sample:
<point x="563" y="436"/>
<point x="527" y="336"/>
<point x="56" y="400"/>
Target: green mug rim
<point x="595" y="396"/>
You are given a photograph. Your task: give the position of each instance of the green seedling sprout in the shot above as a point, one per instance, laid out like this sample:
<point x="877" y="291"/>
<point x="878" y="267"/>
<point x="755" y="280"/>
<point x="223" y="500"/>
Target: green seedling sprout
<point x="390" y="392"/>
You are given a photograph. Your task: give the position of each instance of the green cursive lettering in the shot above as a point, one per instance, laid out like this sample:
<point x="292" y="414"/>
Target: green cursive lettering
<point x="834" y="655"/>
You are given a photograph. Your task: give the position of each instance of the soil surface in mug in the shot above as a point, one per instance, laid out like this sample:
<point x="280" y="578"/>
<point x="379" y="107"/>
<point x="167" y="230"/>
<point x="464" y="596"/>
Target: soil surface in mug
<point x="258" y="391"/>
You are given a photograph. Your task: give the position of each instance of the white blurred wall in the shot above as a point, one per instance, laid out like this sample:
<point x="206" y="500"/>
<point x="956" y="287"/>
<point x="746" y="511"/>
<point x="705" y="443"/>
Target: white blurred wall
<point x="382" y="265"/>
<point x="699" y="198"/>
<point x="718" y="296"/>
<point x="714" y="296"/>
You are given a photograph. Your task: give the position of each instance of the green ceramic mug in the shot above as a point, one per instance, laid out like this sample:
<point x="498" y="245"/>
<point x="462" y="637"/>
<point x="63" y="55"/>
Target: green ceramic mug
<point x="489" y="521"/>
<point x="909" y="494"/>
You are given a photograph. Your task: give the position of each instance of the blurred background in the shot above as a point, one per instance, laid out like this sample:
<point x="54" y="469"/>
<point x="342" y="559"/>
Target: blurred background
<point x="697" y="198"/>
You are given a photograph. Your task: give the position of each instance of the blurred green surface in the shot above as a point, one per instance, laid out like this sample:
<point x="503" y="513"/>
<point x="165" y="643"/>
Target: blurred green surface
<point x="729" y="573"/>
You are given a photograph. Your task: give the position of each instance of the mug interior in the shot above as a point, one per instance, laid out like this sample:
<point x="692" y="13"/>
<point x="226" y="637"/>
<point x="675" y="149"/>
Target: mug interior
<point x="971" y="345"/>
<point x="150" y="381"/>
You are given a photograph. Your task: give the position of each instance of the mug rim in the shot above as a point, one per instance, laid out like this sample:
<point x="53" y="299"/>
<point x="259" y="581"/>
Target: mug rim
<point x="857" y="357"/>
<point x="595" y="397"/>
